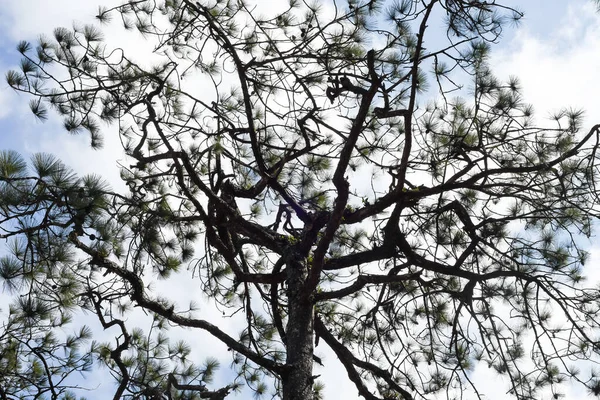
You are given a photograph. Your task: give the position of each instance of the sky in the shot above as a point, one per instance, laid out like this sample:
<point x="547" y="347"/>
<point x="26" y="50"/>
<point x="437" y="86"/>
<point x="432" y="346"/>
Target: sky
<point x="554" y="52"/>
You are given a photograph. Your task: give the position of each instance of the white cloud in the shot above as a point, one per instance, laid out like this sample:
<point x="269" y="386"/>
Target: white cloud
<point x="27" y="19"/>
<point x="560" y="70"/>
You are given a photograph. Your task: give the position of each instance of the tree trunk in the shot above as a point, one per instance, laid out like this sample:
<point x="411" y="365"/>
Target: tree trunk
<point x="298" y="381"/>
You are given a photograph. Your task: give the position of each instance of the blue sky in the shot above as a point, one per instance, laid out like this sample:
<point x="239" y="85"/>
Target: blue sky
<point x="555" y="52"/>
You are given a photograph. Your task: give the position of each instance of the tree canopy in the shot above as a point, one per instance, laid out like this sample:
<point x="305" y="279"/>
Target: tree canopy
<point x="341" y="174"/>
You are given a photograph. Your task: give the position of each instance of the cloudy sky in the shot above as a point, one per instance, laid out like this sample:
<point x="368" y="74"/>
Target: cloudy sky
<point x="555" y="52"/>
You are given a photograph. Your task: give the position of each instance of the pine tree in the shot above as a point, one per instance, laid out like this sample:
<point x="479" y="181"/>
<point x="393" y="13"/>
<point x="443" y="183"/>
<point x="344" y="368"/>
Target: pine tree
<point x="312" y="169"/>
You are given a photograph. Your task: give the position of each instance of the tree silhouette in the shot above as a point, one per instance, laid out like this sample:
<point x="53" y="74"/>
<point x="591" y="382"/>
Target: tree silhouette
<point x="313" y="170"/>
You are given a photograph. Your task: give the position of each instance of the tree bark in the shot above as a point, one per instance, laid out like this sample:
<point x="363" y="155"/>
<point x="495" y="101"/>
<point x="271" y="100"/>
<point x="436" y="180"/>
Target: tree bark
<point x="297" y="381"/>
